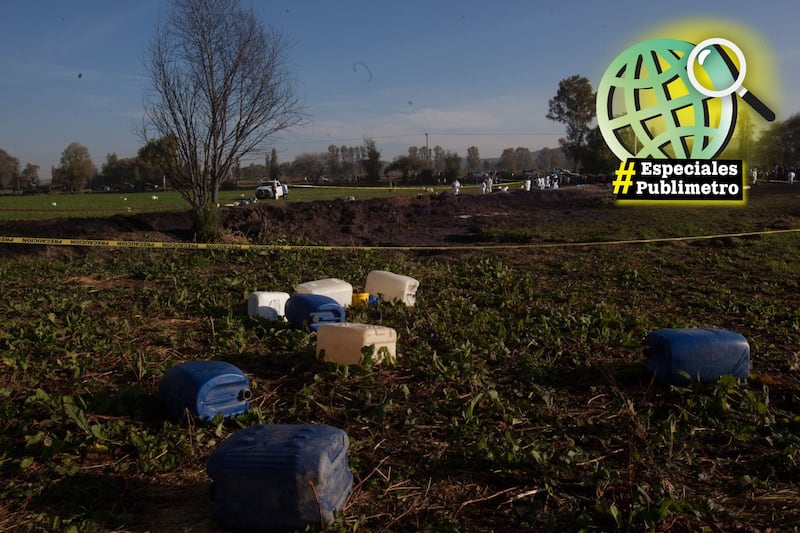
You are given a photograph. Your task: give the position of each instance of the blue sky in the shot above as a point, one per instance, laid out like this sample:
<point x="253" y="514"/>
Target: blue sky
<point x="465" y="72"/>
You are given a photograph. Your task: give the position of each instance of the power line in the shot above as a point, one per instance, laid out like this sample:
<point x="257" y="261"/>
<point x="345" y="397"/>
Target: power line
<point x="432" y="133"/>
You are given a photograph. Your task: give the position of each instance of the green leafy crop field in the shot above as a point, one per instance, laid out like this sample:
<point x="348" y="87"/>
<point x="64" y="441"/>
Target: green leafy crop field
<point x="519" y="400"/>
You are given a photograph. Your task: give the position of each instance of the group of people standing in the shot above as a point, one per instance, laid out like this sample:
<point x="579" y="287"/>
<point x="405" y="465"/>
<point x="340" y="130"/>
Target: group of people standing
<point x="777" y="173"/>
<point x="486" y="184"/>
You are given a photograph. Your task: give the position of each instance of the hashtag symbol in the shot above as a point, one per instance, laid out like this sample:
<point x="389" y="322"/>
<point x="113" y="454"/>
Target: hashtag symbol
<point x="624" y="174"/>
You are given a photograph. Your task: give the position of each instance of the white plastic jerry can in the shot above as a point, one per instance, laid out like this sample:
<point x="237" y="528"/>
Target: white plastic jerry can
<point x="344" y="343"/>
<point x="267" y="304"/>
<point x="391" y="286"/>
<point x="339" y="290"/>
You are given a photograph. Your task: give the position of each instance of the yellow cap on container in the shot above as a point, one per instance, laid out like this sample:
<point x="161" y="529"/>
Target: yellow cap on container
<point x="360" y="298"/>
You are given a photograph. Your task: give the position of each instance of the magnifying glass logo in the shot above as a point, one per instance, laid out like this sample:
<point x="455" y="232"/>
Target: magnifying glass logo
<point x="703" y="53"/>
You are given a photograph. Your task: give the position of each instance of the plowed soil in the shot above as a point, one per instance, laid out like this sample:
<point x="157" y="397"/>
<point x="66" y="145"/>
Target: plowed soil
<point x="424" y="220"/>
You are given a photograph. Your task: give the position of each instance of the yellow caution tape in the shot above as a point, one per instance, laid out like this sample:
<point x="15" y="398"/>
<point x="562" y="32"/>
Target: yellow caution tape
<point x="236" y="246"/>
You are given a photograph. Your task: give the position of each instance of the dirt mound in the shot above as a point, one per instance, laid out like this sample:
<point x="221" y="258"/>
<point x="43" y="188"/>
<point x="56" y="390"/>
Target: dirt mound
<point x="423" y="220"/>
<point x="166" y="225"/>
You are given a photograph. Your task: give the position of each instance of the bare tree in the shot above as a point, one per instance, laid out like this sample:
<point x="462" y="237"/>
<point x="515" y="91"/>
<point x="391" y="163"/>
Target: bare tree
<point x="30" y="175"/>
<point x="334" y="157"/>
<point x="351" y="158"/>
<point x="425" y="155"/>
<point x="438" y="159"/>
<point x="219" y="84"/>
<point x="274" y="168"/>
<point x="508" y="160"/>
<point x="473" y="159"/>
<point x="549" y="158"/>
<point x="452" y="165"/>
<point x="371" y="159"/>
<point x="310" y="165"/>
<point x="524" y="158"/>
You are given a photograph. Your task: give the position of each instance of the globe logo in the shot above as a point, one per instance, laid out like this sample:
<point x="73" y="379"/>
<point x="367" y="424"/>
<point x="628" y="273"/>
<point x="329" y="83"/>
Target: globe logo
<point x="671" y="99"/>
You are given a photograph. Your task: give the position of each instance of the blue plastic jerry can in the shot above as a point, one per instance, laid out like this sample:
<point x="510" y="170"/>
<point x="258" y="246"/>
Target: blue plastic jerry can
<point x="280" y="477"/>
<point x="204" y="389"/>
<point x="680" y="356"/>
<point x="311" y="310"/>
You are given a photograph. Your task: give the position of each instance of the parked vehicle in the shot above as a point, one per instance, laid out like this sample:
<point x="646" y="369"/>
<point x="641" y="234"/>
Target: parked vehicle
<point x="269" y="190"/>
